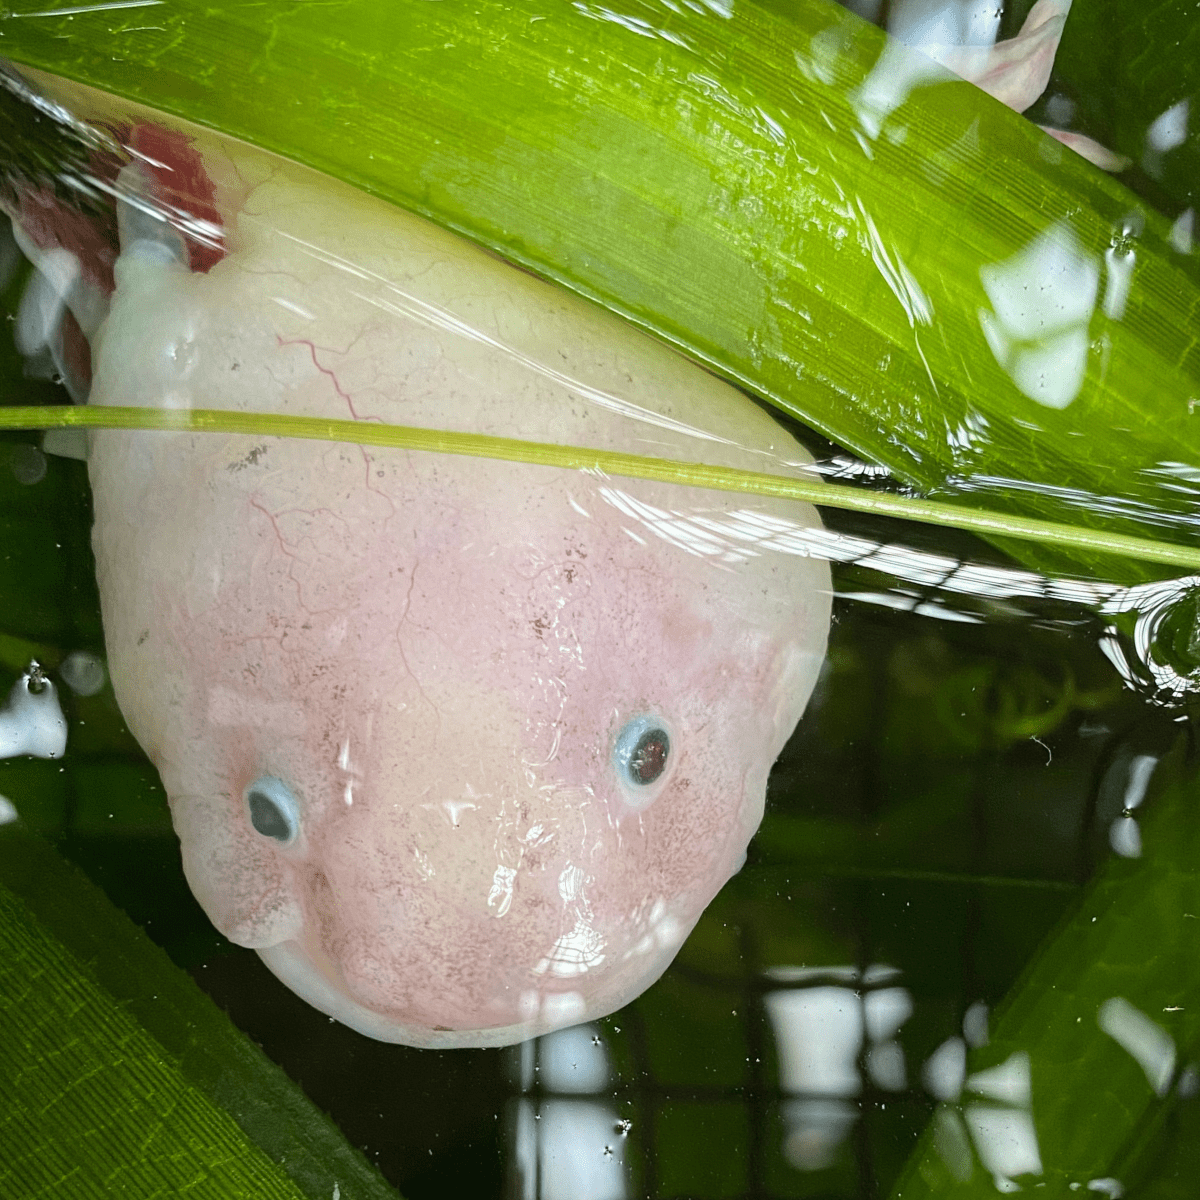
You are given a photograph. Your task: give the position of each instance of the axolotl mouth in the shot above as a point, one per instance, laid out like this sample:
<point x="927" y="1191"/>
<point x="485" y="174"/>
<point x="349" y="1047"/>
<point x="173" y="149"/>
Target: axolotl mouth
<point x="463" y="748"/>
<point x="508" y="1009"/>
<point x="316" y="979"/>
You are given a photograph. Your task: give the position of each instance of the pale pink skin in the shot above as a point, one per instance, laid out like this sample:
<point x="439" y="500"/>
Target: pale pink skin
<point x="436" y="654"/>
<point x="1016" y="72"/>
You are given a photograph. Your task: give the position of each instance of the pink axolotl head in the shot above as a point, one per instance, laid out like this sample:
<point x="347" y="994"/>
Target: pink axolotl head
<point x="461" y="762"/>
<point x="463" y="748"/>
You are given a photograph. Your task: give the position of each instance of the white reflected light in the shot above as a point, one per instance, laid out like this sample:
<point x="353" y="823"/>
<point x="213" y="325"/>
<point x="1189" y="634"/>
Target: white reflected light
<point x="818" y="1036"/>
<point x="918" y="308"/>
<point x="731" y="537"/>
<point x="885" y="1012"/>
<point x="1042" y="300"/>
<point x="1179" y="478"/>
<point x="897" y="71"/>
<point x="1119" y="261"/>
<point x="1005" y="1141"/>
<point x="997" y="1118"/>
<point x="1147" y="1041"/>
<point x="1004" y="1134"/>
<point x="574" y="1061"/>
<point x="1169" y="129"/>
<point x="975" y="1025"/>
<point x="566" y="1146"/>
<point x="960" y="36"/>
<point x="32" y="722"/>
<point x="568" y="1150"/>
<point x="783" y="973"/>
<point x="945" y="1069"/>
<point x="574" y="953"/>
<point x="820" y="1033"/>
<point x="886" y="1066"/>
<point x="923" y="23"/>
<point x="1008" y="1083"/>
<point x="1153" y="604"/>
<point x="1124" y="835"/>
<point x="83" y="673"/>
<point x="1183" y="230"/>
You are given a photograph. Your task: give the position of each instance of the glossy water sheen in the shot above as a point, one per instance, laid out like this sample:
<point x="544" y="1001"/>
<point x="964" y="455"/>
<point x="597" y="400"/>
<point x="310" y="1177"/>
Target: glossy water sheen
<point x="975" y="758"/>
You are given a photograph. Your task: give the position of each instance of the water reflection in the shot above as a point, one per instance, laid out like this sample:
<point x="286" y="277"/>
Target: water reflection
<point x="568" y="1142"/>
<point x="1166" y="132"/>
<point x="1147" y="1041"/>
<point x="1150" y="634"/>
<point x="931" y="38"/>
<point x="826" y="1034"/>
<point x="1183" y="230"/>
<point x="1124" y="834"/>
<point x="31" y="721"/>
<point x="1042" y="302"/>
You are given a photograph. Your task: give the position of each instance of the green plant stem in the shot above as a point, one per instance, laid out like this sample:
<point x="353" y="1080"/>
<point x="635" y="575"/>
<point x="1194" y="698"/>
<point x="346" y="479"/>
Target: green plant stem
<point x="608" y="462"/>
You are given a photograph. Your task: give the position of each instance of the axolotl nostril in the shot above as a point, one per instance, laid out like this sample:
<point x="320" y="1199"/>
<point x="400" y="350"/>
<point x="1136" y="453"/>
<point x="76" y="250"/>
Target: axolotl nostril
<point x="463" y="748"/>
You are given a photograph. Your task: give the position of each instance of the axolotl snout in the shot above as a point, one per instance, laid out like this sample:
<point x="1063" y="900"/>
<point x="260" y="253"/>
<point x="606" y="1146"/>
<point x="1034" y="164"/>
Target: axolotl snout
<point x="462" y="747"/>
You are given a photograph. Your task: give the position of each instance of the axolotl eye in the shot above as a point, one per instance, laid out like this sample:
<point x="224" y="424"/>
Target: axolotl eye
<point x="273" y="809"/>
<point x="641" y="756"/>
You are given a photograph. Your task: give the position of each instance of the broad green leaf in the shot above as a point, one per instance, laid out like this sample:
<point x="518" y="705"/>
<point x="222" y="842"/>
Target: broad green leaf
<point x="1103" y="1024"/>
<point x="121" y="1078"/>
<point x="715" y="176"/>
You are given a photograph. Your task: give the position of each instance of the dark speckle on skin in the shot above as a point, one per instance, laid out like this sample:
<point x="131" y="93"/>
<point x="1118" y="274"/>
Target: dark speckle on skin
<point x="250" y="460"/>
<point x="143" y="636"/>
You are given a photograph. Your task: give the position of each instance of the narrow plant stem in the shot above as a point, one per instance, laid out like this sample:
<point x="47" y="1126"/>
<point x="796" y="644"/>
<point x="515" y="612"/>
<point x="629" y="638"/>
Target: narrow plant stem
<point x="603" y="462"/>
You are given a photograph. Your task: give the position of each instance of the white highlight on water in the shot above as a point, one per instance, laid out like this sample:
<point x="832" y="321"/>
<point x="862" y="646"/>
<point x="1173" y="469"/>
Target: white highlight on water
<point x="1147" y="1041"/>
<point x="32" y="722"/>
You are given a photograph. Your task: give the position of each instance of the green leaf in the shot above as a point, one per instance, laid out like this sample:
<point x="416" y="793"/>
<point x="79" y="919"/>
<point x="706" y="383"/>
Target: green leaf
<point x="1091" y="992"/>
<point x="121" y="1077"/>
<point x="710" y="175"/>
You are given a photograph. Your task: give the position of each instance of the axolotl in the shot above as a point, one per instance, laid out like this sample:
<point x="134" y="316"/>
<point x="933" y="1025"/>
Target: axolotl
<point x="462" y="748"/>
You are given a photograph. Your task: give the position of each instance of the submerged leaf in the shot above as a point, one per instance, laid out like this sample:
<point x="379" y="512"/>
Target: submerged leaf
<point x="121" y="1077"/>
<point x="1095" y="1046"/>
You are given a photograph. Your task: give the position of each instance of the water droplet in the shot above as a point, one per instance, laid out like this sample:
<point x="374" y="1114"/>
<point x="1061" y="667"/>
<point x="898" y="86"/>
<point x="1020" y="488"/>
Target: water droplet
<point x="28" y="463"/>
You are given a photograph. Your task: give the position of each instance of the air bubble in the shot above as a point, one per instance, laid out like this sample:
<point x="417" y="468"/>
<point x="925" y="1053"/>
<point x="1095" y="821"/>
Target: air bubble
<point x="28" y="463"/>
<point x="83" y="673"/>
